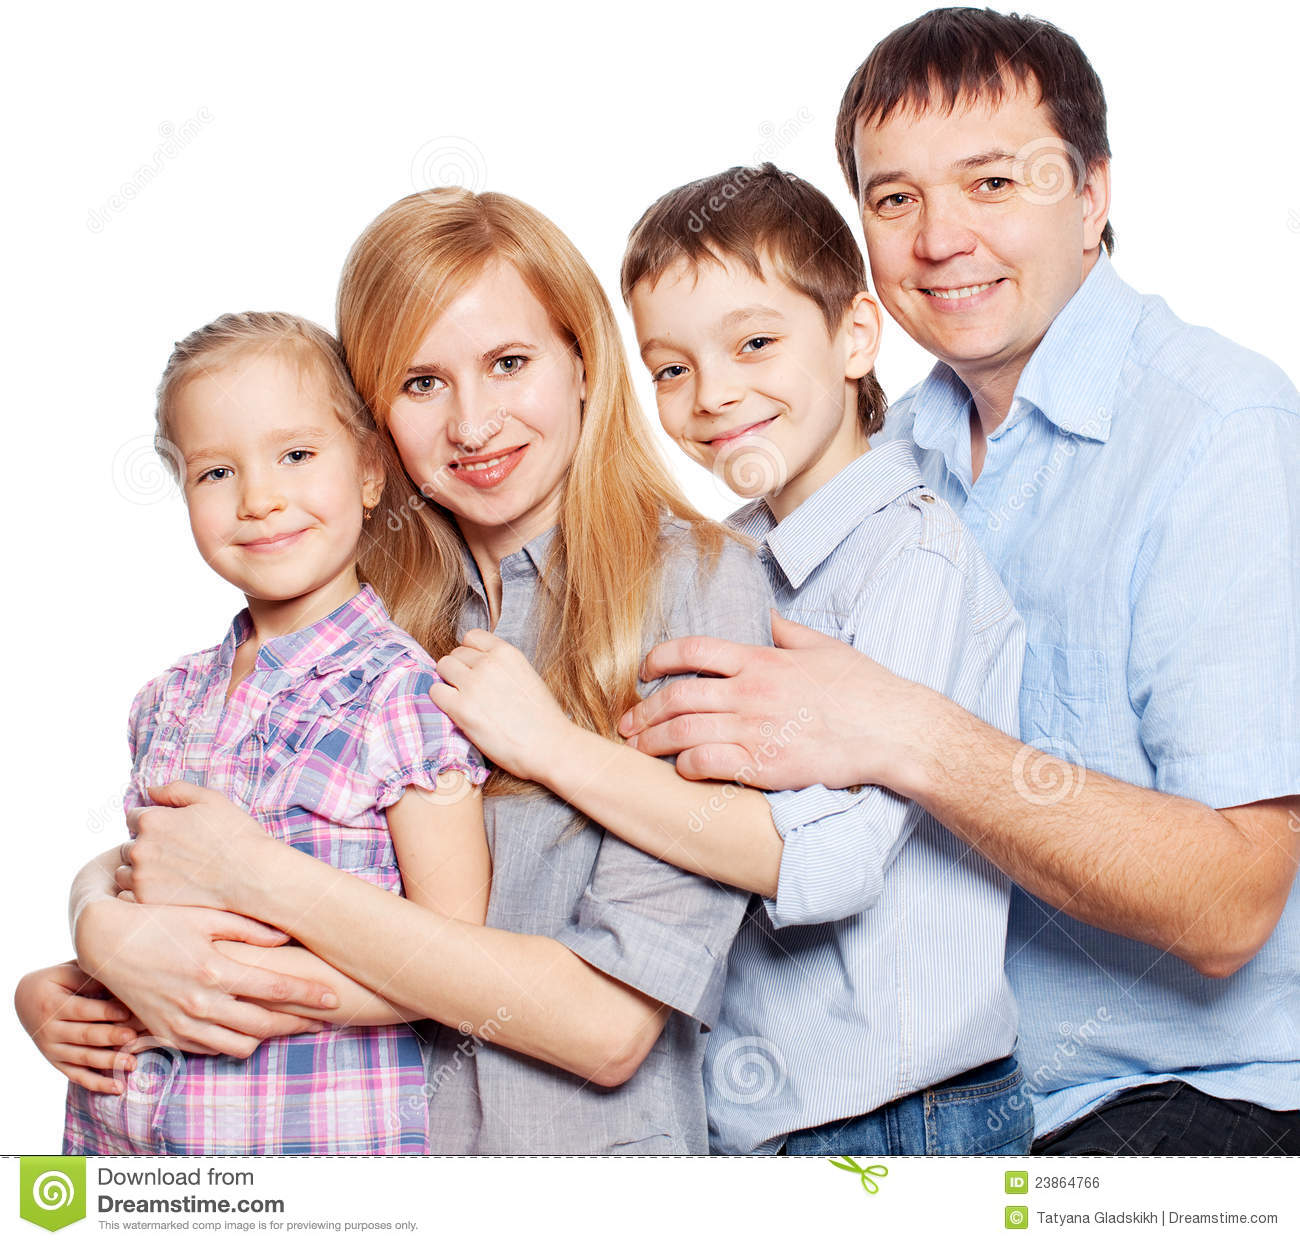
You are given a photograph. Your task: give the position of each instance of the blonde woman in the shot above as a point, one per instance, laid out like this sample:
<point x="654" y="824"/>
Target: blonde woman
<point x="574" y="1022"/>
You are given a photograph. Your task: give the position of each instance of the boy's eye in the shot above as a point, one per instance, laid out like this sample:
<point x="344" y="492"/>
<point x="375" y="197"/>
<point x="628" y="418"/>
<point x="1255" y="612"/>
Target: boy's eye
<point x="755" y="344"/>
<point x="421" y="384"/>
<point x="299" y="456"/>
<point x="508" y="364"/>
<point x="671" y="371"/>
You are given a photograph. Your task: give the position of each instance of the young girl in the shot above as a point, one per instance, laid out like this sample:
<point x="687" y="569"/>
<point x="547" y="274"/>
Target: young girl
<point x="313" y="715"/>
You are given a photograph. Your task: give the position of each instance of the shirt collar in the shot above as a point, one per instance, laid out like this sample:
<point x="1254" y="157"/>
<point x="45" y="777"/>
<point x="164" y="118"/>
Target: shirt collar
<point x="804" y="539"/>
<point x="323" y="646"/>
<point x="1071" y="377"/>
<point x="527" y="562"/>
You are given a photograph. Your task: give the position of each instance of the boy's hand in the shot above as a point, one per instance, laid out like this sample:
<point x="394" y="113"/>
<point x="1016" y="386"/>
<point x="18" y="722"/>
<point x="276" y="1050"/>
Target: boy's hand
<point x="77" y="1028"/>
<point x="494" y="695"/>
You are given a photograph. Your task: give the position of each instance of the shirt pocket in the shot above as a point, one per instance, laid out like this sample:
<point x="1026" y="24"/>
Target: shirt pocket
<point x="1061" y="694"/>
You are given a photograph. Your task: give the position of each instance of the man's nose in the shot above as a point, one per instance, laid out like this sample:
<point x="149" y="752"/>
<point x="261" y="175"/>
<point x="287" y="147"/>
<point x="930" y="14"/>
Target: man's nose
<point x="944" y="230"/>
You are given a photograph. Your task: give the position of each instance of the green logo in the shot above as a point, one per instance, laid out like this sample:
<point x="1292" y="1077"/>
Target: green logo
<point x="52" y="1190"/>
<point x="1017" y="1182"/>
<point x="1017" y="1217"/>
<point x="867" y="1174"/>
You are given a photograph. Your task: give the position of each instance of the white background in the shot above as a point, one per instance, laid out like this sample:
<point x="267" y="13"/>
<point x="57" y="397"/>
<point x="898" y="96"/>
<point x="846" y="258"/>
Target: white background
<point x="271" y="134"/>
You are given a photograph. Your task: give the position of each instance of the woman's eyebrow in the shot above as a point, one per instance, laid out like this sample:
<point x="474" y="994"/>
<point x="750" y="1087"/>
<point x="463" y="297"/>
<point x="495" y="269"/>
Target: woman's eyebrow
<point x="419" y="369"/>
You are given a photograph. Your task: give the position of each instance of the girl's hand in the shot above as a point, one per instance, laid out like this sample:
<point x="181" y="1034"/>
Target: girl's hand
<point x="496" y="697"/>
<point x="190" y="847"/>
<point x="75" y="1027"/>
<point x="161" y="963"/>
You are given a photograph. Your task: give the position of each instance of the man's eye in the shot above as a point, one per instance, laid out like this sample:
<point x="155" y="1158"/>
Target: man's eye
<point x="508" y="364"/>
<point x="421" y="384"/>
<point x="890" y="203"/>
<point x="671" y="372"/>
<point x="755" y="344"/>
<point x="997" y="183"/>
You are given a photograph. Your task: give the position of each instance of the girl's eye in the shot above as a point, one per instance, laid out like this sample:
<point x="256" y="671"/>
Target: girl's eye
<point x="508" y="364"/>
<point x="671" y="372"/>
<point x="421" y="384"/>
<point x="299" y="456"/>
<point x="755" y="344"/>
<point x="215" y="474"/>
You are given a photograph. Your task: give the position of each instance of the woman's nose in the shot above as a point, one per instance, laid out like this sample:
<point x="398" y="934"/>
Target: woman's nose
<point x="477" y="419"/>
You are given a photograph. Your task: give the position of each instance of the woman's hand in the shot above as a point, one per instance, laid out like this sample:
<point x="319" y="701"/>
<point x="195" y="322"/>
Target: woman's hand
<point x="75" y="1027"/>
<point x="189" y="848"/>
<point x="496" y="697"/>
<point x="161" y="963"/>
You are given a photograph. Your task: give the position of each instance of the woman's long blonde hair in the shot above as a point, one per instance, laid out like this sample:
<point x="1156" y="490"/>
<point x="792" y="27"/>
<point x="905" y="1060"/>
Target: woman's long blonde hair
<point x="604" y="568"/>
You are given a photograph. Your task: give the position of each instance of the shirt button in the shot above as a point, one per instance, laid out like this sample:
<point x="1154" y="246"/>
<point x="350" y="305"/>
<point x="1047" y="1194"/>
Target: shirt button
<point x="926" y="497"/>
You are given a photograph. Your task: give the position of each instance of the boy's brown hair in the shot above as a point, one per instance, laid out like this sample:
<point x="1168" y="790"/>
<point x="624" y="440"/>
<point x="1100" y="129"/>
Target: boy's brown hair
<point x="753" y="214"/>
<point x="955" y="54"/>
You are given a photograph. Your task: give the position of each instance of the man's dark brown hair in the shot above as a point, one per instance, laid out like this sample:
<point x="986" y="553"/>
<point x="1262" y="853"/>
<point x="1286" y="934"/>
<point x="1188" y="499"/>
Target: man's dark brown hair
<point x="951" y="55"/>
<point x="751" y="215"/>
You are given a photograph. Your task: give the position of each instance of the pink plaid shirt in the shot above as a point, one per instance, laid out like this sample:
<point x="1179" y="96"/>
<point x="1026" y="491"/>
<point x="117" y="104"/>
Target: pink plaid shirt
<point x="329" y="729"/>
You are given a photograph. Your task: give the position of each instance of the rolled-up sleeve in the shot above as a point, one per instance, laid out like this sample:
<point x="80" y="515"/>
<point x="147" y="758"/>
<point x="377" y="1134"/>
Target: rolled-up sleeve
<point x="924" y="618"/>
<point x="659" y="929"/>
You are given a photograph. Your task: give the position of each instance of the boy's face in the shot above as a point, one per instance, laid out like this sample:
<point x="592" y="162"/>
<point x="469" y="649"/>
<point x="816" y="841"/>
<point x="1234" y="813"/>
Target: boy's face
<point x="975" y="228"/>
<point x="749" y="382"/>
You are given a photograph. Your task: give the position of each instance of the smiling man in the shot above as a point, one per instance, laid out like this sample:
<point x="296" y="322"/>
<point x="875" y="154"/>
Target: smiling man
<point x="1132" y="478"/>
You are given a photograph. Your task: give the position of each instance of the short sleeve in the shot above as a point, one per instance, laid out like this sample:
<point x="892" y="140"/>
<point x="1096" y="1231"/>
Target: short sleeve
<point x="657" y="928"/>
<point x="1213" y="662"/>
<point x="931" y="619"/>
<point x="410" y="741"/>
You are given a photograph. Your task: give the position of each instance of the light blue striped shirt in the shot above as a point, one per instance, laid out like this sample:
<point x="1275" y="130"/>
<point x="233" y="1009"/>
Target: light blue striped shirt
<point x="1140" y="503"/>
<point x="878" y="968"/>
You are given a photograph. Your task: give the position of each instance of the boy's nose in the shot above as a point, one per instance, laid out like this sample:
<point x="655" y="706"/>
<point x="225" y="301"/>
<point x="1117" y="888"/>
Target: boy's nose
<point x="716" y="389"/>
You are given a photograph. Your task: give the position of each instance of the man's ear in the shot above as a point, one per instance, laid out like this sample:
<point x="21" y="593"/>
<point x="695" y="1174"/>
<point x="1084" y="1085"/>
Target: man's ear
<point x="1095" y="194"/>
<point x="863" y="323"/>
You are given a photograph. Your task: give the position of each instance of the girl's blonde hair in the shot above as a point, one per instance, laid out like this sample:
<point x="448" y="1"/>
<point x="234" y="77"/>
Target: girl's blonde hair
<point x="600" y="585"/>
<point x="316" y="354"/>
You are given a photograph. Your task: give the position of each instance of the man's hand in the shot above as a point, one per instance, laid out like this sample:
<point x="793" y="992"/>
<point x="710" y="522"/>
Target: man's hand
<point x="189" y="847"/>
<point x="812" y="710"/>
<point x="75" y="1027"/>
<point x="161" y="963"/>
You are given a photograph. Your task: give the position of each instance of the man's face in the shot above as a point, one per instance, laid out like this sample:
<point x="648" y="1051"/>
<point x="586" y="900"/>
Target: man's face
<point x="976" y="230"/>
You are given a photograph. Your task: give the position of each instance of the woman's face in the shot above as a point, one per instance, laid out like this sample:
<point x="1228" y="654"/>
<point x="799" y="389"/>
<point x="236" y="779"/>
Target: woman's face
<point x="488" y="415"/>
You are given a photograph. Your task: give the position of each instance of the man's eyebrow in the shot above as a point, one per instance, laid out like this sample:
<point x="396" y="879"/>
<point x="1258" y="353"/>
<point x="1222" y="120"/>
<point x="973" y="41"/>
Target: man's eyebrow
<point x="965" y="165"/>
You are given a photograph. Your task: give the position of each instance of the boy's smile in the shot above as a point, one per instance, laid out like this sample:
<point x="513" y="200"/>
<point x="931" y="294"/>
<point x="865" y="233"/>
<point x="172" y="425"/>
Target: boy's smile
<point x="748" y="380"/>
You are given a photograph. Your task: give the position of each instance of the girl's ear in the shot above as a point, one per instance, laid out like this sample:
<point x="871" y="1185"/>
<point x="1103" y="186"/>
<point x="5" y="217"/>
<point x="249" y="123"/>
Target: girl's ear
<point x="862" y="321"/>
<point x="372" y="479"/>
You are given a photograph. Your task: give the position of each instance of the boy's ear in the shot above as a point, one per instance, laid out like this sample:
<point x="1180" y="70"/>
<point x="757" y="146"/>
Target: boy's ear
<point x="864" y="326"/>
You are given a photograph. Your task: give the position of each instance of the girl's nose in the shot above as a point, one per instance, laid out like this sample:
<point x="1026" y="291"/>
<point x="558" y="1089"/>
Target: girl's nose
<point x="258" y="499"/>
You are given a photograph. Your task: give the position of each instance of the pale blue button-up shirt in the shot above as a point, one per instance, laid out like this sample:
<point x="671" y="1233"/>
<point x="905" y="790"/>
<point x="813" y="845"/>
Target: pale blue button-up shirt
<point x="1140" y="502"/>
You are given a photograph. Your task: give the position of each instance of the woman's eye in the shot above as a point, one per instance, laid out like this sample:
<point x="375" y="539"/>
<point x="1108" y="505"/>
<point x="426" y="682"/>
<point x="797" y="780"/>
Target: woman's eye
<point x="755" y="344"/>
<point x="421" y="384"/>
<point x="299" y="456"/>
<point x="508" y="364"/>
<point x="671" y="372"/>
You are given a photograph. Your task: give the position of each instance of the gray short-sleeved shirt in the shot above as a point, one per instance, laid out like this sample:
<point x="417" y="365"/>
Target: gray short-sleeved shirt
<point x="661" y="930"/>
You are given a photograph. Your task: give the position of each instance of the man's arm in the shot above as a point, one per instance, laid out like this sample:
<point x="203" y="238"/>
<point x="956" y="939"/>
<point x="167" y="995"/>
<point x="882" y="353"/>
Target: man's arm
<point x="1102" y="850"/>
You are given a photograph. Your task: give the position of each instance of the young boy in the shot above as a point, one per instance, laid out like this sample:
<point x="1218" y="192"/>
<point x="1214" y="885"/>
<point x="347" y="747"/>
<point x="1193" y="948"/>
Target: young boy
<point x="866" y="1010"/>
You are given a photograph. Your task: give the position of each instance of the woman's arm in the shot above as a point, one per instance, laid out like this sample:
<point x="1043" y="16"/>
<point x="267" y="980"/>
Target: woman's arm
<point x="523" y="991"/>
<point x="442" y="851"/>
<point x="723" y="831"/>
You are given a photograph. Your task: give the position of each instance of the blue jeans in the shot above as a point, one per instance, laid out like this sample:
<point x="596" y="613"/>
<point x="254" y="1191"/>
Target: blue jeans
<point x="983" y="1111"/>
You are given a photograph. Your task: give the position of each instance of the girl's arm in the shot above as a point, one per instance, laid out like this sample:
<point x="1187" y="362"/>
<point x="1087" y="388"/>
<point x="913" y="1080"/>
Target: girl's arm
<point x="443" y="855"/>
<point x="722" y="831"/>
<point x="523" y="991"/>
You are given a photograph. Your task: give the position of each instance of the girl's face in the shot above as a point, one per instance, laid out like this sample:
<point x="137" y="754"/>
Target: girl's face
<point x="488" y="415"/>
<point x="275" y="486"/>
